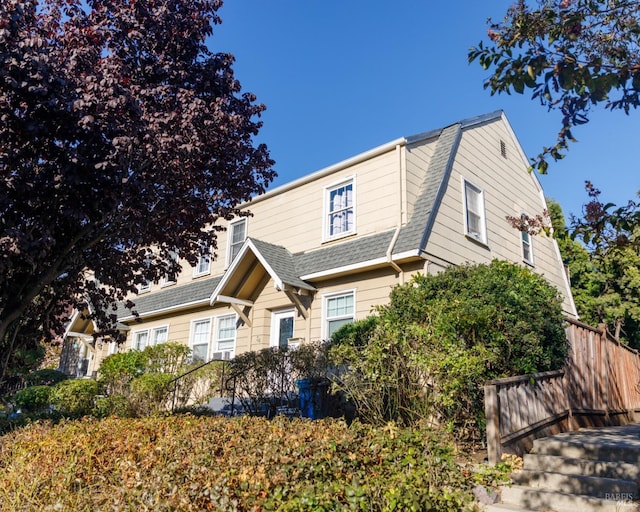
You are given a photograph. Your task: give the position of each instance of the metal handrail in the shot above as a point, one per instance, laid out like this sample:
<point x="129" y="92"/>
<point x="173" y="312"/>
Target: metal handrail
<point x="175" y="380"/>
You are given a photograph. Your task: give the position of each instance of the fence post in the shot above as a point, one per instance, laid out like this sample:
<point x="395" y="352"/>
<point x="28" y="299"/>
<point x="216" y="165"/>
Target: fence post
<point x="492" y="414"/>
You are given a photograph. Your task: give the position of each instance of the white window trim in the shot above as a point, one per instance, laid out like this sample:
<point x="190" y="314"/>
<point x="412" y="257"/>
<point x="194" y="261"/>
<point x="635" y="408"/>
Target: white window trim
<point x="230" y="227"/>
<point x="150" y="331"/>
<point x="192" y="333"/>
<point x="325" y="209"/>
<point x="154" y="330"/>
<point x="215" y="339"/>
<point x="483" y="217"/>
<point x="325" y="300"/>
<point x="198" y="273"/>
<point x="144" y="288"/>
<point x="134" y="338"/>
<point x="165" y="280"/>
<point x="529" y="261"/>
<point x="276" y="315"/>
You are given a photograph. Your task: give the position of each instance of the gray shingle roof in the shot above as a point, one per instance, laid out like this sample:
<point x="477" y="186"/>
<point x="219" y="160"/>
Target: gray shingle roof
<point x="414" y="235"/>
<point x="282" y="263"/>
<point x="347" y="253"/>
<point x="176" y="295"/>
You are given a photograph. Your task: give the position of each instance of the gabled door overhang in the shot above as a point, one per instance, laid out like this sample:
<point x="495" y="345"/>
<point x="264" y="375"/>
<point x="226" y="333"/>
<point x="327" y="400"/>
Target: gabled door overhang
<point x="250" y="271"/>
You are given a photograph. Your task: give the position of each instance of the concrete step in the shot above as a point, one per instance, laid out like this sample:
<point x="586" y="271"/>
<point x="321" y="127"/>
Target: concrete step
<point x="543" y="500"/>
<point x="567" y="466"/>
<point x="593" y="486"/>
<point x="582" y="445"/>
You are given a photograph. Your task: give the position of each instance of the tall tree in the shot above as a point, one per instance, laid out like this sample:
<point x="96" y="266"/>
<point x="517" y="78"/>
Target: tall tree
<point x="602" y="254"/>
<point x="572" y="54"/>
<point x="123" y="140"/>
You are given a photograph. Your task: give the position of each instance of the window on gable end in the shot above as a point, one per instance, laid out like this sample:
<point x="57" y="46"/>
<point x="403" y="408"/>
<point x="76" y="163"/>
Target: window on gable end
<point x="527" y="244"/>
<point x="475" y="221"/>
<point x="237" y="235"/>
<point x="340" y="210"/>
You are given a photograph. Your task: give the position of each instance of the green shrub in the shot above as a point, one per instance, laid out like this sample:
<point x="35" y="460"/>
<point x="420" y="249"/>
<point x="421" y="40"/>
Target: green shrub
<point x="170" y="357"/>
<point x="429" y="352"/>
<point x="111" y="405"/>
<point x="150" y="392"/>
<point x="33" y="398"/>
<point x="45" y="377"/>
<point x="74" y="397"/>
<point x="118" y="370"/>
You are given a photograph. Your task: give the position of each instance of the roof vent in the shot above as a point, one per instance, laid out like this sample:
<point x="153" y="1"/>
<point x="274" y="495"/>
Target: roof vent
<point x="503" y="149"/>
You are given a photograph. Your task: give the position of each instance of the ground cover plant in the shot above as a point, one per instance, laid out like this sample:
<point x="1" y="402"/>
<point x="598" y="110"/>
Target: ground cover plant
<point x="184" y="462"/>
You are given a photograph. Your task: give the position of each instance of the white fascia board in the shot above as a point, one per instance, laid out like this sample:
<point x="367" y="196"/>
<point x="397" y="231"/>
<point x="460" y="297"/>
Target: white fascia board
<point x="346" y="268"/>
<point x="230" y="270"/>
<point x="185" y="305"/>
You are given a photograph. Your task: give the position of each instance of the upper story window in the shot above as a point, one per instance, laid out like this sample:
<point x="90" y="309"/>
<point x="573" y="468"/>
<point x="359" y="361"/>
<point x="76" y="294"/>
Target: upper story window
<point x="475" y="221"/>
<point x="204" y="262"/>
<point x="237" y="235"/>
<point x="340" y="209"/>
<point x="144" y="287"/>
<point x="168" y="280"/>
<point x="527" y="245"/>
<point x="339" y="309"/>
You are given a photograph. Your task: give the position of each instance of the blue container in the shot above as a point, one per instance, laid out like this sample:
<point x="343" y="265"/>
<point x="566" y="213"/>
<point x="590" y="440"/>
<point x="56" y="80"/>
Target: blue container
<point x="313" y="397"/>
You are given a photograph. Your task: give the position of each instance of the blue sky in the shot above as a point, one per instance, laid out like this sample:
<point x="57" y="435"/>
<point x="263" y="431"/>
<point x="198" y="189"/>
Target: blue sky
<point x="341" y="77"/>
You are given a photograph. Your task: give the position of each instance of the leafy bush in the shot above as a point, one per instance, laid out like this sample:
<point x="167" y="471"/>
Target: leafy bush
<point x="118" y="370"/>
<point x="33" y="398"/>
<point x="267" y="378"/>
<point x="244" y="463"/>
<point x="112" y="405"/>
<point x="45" y="377"/>
<point x="149" y="393"/>
<point x="170" y="357"/>
<point x="429" y="352"/>
<point x="74" y="397"/>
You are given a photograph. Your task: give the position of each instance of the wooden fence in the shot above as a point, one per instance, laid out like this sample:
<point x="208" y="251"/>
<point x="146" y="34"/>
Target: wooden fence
<point x="600" y="385"/>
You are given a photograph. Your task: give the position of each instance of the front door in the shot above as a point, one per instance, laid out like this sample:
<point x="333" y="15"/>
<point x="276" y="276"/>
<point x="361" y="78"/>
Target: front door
<point x="281" y="328"/>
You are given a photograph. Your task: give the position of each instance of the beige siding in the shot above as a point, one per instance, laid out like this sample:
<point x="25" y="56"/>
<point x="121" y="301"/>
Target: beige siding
<point x="508" y="189"/>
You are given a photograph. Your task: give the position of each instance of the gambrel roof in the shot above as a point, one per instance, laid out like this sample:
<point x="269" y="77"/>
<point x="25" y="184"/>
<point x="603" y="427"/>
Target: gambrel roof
<point x="259" y="259"/>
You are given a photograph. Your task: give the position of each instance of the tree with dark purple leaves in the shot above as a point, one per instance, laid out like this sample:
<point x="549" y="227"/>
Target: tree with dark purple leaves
<point x="123" y="141"/>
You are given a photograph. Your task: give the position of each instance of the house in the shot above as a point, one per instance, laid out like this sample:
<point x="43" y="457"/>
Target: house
<point x="322" y="250"/>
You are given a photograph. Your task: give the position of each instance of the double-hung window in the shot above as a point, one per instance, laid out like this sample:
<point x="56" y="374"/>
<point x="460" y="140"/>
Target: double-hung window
<point x="527" y="243"/>
<point x="237" y="235"/>
<point x="140" y="340"/>
<point x="203" y="266"/>
<point x="150" y="337"/>
<point x="340" y="209"/>
<point x="200" y="336"/>
<point x="159" y="335"/>
<point x="225" y="337"/>
<point x="339" y="309"/>
<point x="475" y="223"/>
<point x="169" y="280"/>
